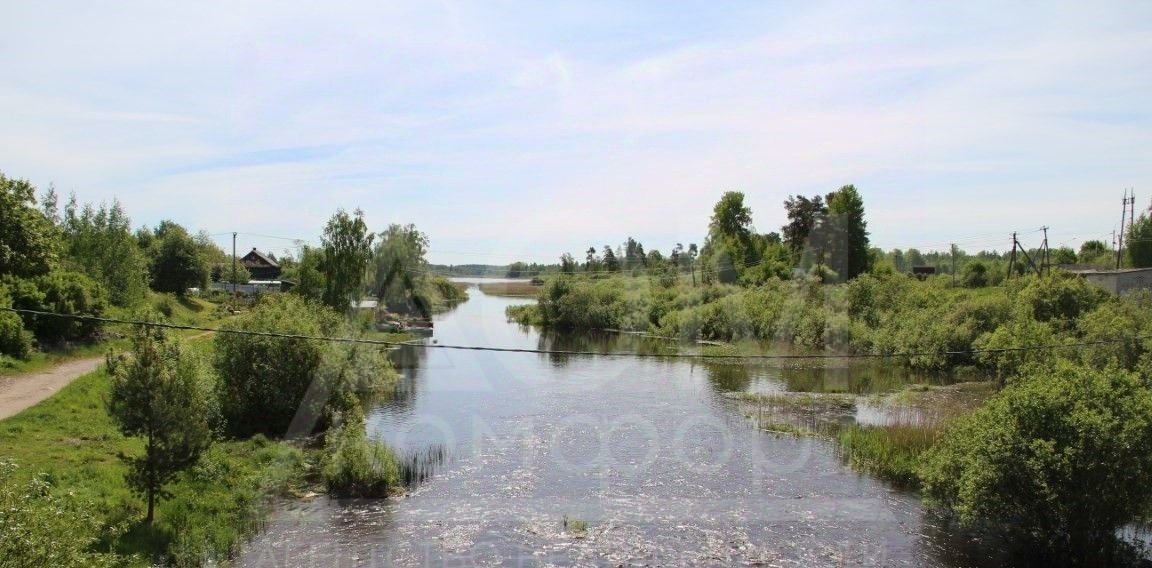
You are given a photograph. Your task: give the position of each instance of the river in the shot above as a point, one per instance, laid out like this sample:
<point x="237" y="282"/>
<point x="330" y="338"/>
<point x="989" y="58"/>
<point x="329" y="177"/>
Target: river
<point x="537" y="460"/>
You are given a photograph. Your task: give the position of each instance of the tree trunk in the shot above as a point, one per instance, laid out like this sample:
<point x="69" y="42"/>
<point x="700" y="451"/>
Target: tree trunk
<point x="151" y="506"/>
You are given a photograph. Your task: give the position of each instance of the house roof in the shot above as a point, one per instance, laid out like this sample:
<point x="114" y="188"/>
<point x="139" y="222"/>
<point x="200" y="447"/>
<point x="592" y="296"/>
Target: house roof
<point x="257" y="258"/>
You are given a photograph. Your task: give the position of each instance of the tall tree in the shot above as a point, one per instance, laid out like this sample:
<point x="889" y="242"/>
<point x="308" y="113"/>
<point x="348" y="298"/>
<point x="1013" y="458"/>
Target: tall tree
<point x="400" y="268"/>
<point x="1139" y="242"/>
<point x="29" y="241"/>
<point x="567" y="264"/>
<point x="611" y="264"/>
<point x="160" y="395"/>
<point x="592" y="261"/>
<point x="307" y="273"/>
<point x="100" y="242"/>
<point x="847" y="233"/>
<point x="804" y="215"/>
<point x="729" y="248"/>
<point x="178" y="261"/>
<point x="347" y="247"/>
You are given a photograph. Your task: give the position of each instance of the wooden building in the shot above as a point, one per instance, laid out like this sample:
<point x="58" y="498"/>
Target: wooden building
<point x="261" y="266"/>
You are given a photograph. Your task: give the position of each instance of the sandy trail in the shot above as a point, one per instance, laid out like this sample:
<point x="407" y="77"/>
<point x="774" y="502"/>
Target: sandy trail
<point x="19" y="392"/>
<point x="22" y="391"/>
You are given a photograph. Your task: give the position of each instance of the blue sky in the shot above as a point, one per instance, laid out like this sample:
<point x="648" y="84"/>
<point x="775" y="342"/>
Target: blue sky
<point x="513" y="130"/>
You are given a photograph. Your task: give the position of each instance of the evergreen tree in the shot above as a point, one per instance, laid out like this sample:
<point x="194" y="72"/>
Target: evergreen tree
<point x="804" y="215"/>
<point x="159" y="394"/>
<point x="611" y="264"/>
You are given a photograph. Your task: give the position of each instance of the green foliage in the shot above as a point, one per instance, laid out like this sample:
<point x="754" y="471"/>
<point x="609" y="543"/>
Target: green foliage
<point x="1011" y="337"/>
<point x="1139" y="242"/>
<point x="15" y="341"/>
<point x="223" y="272"/>
<point x="891" y="452"/>
<point x="99" y="241"/>
<point x="57" y="292"/>
<point x="1061" y="458"/>
<point x="729" y="248"/>
<point x="308" y="274"/>
<point x="848" y="245"/>
<point x="178" y="261"/>
<point x="356" y="466"/>
<point x="400" y="280"/>
<point x="42" y="528"/>
<point x="975" y="275"/>
<point x="1061" y="298"/>
<point x="347" y="245"/>
<point x="161" y="395"/>
<point x="266" y="382"/>
<point x="1115" y="328"/>
<point x="29" y="242"/>
<point x="804" y="215"/>
<point x="566" y="303"/>
<point x="214" y="505"/>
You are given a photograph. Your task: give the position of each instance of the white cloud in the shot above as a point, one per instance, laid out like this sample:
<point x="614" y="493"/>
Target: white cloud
<point x="509" y="123"/>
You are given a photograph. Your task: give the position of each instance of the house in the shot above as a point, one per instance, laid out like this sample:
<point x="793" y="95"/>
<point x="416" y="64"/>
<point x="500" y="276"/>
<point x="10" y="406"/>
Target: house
<point x="1118" y="281"/>
<point x="923" y="272"/>
<point x="261" y="266"/>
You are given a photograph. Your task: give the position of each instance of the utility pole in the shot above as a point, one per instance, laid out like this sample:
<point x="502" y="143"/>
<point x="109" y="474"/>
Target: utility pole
<point x="1012" y="262"/>
<point x="1120" y="237"/>
<point x="953" y="265"/>
<point x="234" y="294"/>
<point x="1047" y="267"/>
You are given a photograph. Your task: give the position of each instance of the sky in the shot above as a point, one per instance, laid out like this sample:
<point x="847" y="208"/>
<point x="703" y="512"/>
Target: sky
<point x="521" y="130"/>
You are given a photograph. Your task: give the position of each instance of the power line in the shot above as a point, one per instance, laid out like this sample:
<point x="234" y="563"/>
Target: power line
<point x="634" y="354"/>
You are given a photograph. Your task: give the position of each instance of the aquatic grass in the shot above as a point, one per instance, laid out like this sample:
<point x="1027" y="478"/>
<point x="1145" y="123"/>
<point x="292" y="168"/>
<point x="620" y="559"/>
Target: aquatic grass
<point x="356" y="466"/>
<point x="890" y="452"/>
<point x="511" y="289"/>
<point x="575" y="526"/>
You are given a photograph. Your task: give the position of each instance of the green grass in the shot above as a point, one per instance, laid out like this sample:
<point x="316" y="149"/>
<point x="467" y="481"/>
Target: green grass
<point x="213" y="506"/>
<point x="889" y="452"/>
<point x="184" y="311"/>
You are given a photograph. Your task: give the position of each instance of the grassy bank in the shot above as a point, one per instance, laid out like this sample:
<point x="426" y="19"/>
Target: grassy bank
<point x="893" y="447"/>
<point x="182" y="311"/>
<point x="213" y="506"/>
<point x="934" y="322"/>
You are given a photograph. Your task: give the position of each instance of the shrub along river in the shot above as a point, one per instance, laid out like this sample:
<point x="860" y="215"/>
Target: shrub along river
<point x="530" y="459"/>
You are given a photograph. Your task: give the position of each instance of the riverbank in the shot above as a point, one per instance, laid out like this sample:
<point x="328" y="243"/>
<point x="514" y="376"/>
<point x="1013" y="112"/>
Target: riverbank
<point x="885" y="435"/>
<point x="72" y="441"/>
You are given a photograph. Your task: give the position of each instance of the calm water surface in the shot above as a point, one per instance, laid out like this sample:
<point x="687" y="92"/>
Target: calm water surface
<point x="648" y="454"/>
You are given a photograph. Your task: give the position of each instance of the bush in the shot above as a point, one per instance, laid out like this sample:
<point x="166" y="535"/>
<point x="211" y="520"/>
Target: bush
<point x="1060" y="458"/>
<point x="39" y="528"/>
<point x="1061" y="298"/>
<point x="569" y="304"/>
<point x="63" y="293"/>
<point x="14" y="340"/>
<point x="975" y="275"/>
<point x="356" y="466"/>
<point x="265" y="381"/>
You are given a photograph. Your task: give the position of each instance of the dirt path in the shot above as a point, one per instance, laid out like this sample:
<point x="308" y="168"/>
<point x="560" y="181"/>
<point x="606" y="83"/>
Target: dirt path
<point x="22" y="391"/>
<point x="18" y="392"/>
